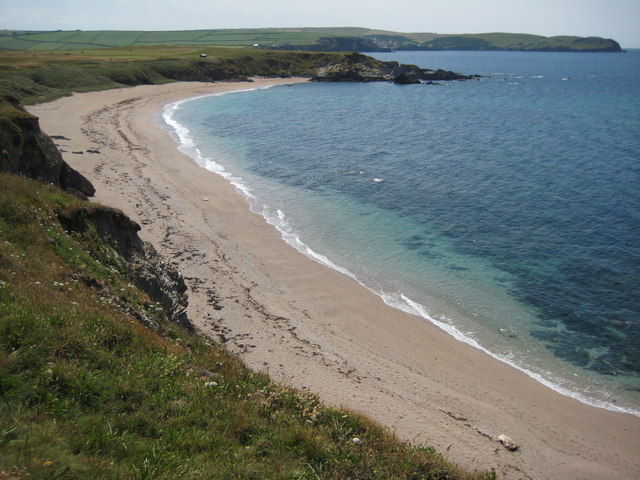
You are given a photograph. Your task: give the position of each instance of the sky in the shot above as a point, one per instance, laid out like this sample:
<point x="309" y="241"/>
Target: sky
<point x="617" y="19"/>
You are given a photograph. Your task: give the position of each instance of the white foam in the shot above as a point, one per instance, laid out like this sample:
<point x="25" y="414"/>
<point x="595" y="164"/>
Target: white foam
<point x="546" y="378"/>
<point x="293" y="239"/>
<point x="187" y="145"/>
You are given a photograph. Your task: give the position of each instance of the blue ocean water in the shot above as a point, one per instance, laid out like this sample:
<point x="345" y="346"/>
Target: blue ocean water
<point x="505" y="210"/>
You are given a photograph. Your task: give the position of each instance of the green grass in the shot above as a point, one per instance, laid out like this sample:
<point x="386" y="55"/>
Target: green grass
<point x="86" y="391"/>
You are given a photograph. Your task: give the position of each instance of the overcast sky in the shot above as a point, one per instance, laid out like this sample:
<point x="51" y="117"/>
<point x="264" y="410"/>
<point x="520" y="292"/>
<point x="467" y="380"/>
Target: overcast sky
<point x="617" y="19"/>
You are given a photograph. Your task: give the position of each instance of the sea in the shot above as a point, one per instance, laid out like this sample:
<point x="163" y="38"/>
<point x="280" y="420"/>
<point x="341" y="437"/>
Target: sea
<point x="505" y="210"/>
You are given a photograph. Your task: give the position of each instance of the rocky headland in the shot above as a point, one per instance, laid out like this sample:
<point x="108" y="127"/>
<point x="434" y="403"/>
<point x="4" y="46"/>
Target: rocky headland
<point x="361" y="68"/>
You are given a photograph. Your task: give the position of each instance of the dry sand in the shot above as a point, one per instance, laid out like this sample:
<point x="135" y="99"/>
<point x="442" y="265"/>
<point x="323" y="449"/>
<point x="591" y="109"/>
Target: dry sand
<point x="313" y="328"/>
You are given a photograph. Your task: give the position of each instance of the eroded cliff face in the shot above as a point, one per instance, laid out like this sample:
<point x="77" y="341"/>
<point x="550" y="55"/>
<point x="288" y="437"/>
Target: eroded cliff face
<point x="26" y="150"/>
<point x="136" y="259"/>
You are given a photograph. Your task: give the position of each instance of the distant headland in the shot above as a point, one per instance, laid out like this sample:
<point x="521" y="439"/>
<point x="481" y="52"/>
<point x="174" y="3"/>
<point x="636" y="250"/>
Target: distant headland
<point x="353" y="39"/>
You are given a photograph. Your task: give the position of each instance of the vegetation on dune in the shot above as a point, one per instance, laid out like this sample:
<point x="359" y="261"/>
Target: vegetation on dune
<point x="87" y="391"/>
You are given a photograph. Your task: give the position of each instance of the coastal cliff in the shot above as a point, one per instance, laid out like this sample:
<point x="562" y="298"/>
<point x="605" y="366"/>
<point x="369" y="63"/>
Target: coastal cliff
<point x="27" y="151"/>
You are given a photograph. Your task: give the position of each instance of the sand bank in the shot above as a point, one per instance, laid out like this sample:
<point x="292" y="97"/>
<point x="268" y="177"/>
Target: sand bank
<point x="313" y="328"/>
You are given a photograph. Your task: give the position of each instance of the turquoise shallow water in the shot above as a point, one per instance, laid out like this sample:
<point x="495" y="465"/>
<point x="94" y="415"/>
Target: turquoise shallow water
<point x="506" y="210"/>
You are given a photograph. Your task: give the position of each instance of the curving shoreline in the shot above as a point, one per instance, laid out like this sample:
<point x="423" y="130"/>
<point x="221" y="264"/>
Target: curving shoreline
<point x="314" y="328"/>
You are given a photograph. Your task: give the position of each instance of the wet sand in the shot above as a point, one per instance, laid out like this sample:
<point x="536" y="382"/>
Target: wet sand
<point x="314" y="328"/>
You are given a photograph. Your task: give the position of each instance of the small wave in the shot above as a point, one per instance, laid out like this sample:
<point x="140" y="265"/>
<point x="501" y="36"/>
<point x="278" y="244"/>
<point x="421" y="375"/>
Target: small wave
<point x="187" y="145"/>
<point x="292" y="238"/>
<point x="416" y="309"/>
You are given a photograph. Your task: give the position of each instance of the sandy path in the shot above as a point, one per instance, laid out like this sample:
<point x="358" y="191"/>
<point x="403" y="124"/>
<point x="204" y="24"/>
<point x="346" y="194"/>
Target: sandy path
<point x="314" y="328"/>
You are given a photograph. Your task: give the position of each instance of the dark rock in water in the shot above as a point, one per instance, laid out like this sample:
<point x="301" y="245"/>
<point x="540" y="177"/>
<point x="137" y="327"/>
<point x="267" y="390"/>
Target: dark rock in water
<point x="361" y="68"/>
<point x="446" y="75"/>
<point x="355" y="68"/>
<point x="26" y="150"/>
<point x="407" y="74"/>
<point x="404" y="79"/>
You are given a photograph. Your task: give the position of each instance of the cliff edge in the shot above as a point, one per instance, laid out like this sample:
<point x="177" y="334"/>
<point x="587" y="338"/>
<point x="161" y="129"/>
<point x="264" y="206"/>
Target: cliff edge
<point x="27" y="151"/>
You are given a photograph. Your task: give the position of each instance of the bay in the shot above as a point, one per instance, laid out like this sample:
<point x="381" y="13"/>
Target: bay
<point x="505" y="210"/>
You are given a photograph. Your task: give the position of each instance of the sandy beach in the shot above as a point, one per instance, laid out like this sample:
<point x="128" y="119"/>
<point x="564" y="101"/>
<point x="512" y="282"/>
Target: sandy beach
<point x="313" y="328"/>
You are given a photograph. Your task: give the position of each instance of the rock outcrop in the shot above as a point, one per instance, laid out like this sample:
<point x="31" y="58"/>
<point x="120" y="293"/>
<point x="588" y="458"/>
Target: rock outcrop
<point x="404" y="79"/>
<point x="26" y="150"/>
<point x="361" y="68"/>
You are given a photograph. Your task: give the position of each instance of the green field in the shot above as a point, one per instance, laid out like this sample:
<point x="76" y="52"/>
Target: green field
<point x="80" y="40"/>
<point x="301" y="38"/>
